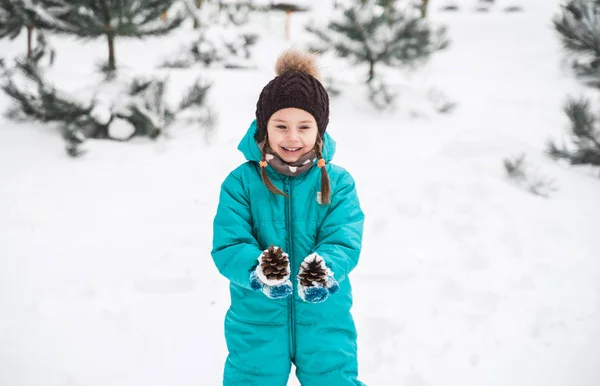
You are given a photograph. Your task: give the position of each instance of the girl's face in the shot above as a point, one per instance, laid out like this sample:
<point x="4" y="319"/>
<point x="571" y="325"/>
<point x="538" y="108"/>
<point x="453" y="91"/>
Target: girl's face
<point x="292" y="133"/>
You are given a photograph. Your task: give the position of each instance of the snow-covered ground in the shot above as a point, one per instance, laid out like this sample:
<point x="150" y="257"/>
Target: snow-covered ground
<point x="466" y="279"/>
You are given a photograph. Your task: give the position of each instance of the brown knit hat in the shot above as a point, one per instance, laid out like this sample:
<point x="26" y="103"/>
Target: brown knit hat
<point x="296" y="85"/>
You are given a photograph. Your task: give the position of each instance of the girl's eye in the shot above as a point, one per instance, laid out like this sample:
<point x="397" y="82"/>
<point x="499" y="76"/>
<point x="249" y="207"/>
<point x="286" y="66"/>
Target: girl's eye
<point x="304" y="127"/>
<point x="280" y="126"/>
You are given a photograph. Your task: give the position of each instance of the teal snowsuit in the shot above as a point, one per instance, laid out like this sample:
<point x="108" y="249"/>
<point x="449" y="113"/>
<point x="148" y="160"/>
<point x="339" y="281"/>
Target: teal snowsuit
<point x="263" y="335"/>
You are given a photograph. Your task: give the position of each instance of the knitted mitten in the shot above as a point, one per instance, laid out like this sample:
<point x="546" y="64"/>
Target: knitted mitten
<point x="272" y="274"/>
<point x="315" y="280"/>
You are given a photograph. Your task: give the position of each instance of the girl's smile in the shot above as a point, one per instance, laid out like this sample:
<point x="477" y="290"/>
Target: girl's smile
<point x="289" y="152"/>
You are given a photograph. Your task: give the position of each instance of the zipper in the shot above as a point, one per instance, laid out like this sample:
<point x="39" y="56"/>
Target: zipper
<point x="290" y="249"/>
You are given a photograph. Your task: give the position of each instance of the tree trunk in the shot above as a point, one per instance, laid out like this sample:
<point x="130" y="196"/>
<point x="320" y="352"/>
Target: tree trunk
<point x="196" y="20"/>
<point x="424" y="8"/>
<point x="111" y="53"/>
<point x="29" y="37"/>
<point x="371" y="71"/>
<point x="288" y="17"/>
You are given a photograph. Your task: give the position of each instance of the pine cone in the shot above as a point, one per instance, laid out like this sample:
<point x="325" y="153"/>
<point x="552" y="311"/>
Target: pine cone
<point x="313" y="271"/>
<point x="274" y="263"/>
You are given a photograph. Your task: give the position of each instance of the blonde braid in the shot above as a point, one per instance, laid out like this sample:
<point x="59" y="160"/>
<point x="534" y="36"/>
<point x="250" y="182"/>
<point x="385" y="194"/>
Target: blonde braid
<point x="263" y="171"/>
<point x="325" y="187"/>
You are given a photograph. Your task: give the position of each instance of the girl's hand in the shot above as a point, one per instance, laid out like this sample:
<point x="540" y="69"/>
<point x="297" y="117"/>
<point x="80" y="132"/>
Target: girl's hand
<point x="273" y="266"/>
<point x="315" y="280"/>
<point x="272" y="274"/>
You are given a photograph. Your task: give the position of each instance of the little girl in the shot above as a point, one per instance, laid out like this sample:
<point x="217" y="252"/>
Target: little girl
<point x="287" y="233"/>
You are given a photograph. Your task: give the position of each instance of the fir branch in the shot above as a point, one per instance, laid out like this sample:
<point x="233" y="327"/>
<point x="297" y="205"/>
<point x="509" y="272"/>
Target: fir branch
<point x="195" y="96"/>
<point x="584" y="134"/>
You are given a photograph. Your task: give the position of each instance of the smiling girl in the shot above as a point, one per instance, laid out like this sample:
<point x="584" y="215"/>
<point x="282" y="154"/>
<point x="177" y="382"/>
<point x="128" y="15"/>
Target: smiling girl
<point x="287" y="233"/>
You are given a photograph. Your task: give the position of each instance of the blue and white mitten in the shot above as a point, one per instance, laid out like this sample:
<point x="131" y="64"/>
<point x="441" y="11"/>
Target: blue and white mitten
<point x="272" y="274"/>
<point x="315" y="280"/>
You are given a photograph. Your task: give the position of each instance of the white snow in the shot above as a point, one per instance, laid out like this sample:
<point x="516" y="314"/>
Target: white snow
<point x="121" y="128"/>
<point x="465" y="278"/>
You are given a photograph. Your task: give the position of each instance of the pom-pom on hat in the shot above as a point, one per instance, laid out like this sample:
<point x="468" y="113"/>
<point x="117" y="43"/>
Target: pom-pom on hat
<point x="298" y="85"/>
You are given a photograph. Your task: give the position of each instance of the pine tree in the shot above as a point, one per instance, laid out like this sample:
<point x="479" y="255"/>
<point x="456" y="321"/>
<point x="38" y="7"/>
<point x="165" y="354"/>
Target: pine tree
<point x="141" y="105"/>
<point x="584" y="131"/>
<point x="579" y="28"/>
<point x="224" y="39"/>
<point x="217" y="45"/>
<point x="380" y="31"/>
<point x="16" y="15"/>
<point x="91" y="19"/>
<point x="36" y="98"/>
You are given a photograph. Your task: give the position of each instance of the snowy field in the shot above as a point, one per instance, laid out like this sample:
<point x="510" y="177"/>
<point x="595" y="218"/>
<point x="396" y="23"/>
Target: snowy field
<point x="465" y="279"/>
